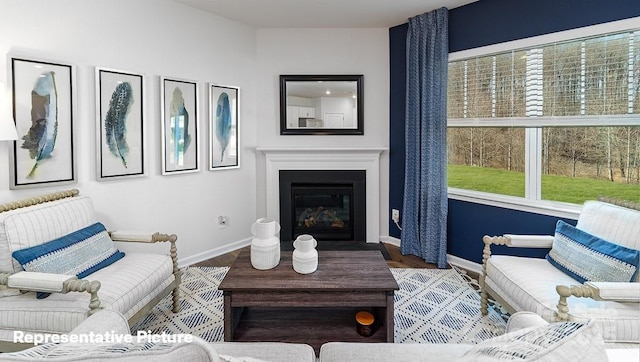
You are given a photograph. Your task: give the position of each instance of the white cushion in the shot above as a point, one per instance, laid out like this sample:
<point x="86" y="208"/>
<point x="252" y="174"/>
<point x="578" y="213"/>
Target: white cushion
<point x="610" y="222"/>
<point x="529" y="284"/>
<point x="553" y="342"/>
<point x="37" y="224"/>
<point x="522" y="320"/>
<point x="392" y="352"/>
<point x="103" y="321"/>
<point x="126" y="286"/>
<point x="267" y="351"/>
<point x="194" y="351"/>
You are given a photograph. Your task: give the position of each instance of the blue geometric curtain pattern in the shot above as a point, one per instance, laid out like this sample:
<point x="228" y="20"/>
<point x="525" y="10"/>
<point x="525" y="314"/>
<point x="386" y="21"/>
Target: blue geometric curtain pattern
<point x="424" y="221"/>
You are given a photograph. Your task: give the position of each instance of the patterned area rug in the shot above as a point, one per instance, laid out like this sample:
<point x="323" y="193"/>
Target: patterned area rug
<point x="441" y="306"/>
<point x="432" y="306"/>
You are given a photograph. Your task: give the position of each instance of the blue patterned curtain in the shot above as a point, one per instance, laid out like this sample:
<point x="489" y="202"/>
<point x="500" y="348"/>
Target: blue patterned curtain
<point x="424" y="220"/>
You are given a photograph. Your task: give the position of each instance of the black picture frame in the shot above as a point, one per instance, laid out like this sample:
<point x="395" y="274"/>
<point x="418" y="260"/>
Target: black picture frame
<point x="43" y="110"/>
<point x="347" y="86"/>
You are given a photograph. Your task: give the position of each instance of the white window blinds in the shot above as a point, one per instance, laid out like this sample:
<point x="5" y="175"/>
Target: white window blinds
<point x="590" y="81"/>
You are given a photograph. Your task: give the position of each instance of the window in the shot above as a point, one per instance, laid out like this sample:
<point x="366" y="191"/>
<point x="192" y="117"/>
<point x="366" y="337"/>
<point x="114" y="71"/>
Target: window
<point x="554" y="121"/>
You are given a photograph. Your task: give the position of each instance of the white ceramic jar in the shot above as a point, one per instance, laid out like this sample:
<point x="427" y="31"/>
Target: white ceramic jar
<point x="305" y="255"/>
<point x="265" y="245"/>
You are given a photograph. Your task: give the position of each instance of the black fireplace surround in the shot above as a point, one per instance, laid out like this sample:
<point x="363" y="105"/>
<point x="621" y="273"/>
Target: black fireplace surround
<point x="328" y="204"/>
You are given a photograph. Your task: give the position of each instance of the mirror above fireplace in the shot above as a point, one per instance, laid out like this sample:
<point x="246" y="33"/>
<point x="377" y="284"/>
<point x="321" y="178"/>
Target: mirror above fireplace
<point x="321" y="105"/>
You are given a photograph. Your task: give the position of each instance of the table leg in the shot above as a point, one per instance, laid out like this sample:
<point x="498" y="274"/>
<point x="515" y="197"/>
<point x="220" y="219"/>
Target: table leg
<point x="389" y="318"/>
<point x="228" y="318"/>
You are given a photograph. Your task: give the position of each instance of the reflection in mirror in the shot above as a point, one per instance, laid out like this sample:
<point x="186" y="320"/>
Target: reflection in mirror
<point x="321" y="104"/>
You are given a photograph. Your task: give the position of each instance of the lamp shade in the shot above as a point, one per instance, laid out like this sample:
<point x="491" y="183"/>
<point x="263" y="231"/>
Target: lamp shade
<point x="7" y="126"/>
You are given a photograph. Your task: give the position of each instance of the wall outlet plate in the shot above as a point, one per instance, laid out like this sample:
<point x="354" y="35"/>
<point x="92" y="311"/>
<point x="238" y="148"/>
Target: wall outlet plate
<point x="222" y="222"/>
<point x="395" y="215"/>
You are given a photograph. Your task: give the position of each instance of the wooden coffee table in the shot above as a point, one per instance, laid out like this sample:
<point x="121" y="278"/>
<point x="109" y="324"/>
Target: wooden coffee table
<point x="280" y="305"/>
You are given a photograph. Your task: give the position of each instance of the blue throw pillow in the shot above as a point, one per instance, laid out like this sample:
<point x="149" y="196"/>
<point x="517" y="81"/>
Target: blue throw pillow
<point x="586" y="257"/>
<point x="80" y="253"/>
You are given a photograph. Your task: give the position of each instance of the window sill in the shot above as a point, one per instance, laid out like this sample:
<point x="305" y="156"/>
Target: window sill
<point x="551" y="208"/>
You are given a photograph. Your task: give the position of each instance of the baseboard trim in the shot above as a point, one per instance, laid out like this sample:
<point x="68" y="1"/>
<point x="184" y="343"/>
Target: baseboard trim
<point x="190" y="260"/>
<point x="452" y="259"/>
<point x="390" y="240"/>
<point x="464" y="264"/>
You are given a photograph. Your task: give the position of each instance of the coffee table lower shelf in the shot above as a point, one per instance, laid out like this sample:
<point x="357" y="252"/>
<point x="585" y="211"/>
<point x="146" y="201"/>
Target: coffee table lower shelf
<point x="313" y="326"/>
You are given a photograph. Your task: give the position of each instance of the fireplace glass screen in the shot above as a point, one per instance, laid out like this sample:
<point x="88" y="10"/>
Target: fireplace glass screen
<point x="324" y="211"/>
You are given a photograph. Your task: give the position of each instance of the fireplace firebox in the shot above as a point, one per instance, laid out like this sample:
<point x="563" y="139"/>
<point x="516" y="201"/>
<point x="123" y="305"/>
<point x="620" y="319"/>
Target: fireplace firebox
<point x="328" y="204"/>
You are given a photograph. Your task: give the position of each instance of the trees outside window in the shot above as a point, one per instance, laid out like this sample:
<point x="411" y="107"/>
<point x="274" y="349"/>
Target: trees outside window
<point x="558" y="121"/>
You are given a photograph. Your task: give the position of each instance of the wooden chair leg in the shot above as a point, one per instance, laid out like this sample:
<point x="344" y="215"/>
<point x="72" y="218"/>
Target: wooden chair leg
<point x="176" y="299"/>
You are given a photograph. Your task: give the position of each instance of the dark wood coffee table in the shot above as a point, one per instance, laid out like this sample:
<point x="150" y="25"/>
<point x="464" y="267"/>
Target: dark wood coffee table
<point x="280" y="305"/>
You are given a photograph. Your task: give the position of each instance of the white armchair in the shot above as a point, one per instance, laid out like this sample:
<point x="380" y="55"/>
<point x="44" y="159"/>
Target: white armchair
<point x="57" y="226"/>
<point x="536" y="285"/>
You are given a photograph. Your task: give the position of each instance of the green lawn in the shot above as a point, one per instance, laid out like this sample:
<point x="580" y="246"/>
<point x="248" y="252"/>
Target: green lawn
<point x="557" y="188"/>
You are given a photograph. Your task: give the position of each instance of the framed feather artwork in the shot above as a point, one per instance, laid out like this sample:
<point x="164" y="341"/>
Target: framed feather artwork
<point x="223" y="127"/>
<point x="119" y="124"/>
<point x="180" y="123"/>
<point x="43" y="110"/>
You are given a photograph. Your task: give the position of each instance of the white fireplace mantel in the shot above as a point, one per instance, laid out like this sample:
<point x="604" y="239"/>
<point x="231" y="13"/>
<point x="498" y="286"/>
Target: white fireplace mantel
<point x="329" y="158"/>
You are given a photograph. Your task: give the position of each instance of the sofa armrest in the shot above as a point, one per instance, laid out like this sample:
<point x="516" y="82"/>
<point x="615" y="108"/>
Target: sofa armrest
<point x="49" y="283"/>
<point x="524" y="319"/>
<point x="141" y="237"/>
<point x="104" y="321"/>
<point x="607" y="291"/>
<point x="529" y="241"/>
<point x="39" y="282"/>
<point x="618" y="292"/>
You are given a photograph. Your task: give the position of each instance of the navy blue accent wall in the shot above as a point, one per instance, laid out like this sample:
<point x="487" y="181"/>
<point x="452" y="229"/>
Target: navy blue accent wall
<point x="468" y="222"/>
<point x="397" y="98"/>
<point x="474" y="25"/>
<point x="488" y="22"/>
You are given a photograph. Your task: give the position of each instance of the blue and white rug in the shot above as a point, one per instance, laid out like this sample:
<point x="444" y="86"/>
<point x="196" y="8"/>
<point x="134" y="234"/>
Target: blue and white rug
<point x="440" y="306"/>
<point x="432" y="306"/>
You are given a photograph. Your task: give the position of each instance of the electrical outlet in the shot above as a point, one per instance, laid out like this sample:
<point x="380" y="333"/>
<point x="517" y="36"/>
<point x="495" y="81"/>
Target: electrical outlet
<point x="395" y="215"/>
<point x="222" y="222"/>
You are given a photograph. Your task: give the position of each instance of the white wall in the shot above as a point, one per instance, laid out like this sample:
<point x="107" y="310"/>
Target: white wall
<point x="153" y="37"/>
<point x="325" y="51"/>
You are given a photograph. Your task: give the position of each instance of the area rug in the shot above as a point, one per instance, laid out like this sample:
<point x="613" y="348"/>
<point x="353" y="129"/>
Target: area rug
<point x="432" y="306"/>
<point x="441" y="306"/>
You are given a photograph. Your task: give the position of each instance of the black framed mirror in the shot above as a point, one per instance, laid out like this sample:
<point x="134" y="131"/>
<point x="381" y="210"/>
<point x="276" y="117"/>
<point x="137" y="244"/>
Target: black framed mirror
<point x="321" y="105"/>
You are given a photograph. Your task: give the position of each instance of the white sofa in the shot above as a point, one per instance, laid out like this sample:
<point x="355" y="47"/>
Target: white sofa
<point x="535" y="285"/>
<point x="194" y="350"/>
<point x="131" y="285"/>
<point x="528" y="337"/>
<point x="525" y="331"/>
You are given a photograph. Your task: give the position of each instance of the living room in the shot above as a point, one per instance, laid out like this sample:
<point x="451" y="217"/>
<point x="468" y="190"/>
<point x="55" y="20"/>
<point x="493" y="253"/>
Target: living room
<point x="189" y="204"/>
<point x="170" y="39"/>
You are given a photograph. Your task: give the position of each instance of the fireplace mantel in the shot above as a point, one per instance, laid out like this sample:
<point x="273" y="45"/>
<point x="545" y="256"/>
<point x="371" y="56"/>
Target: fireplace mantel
<point x="326" y="158"/>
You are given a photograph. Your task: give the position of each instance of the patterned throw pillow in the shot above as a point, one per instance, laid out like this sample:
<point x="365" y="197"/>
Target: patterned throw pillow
<point x="586" y="257"/>
<point x="80" y="253"/>
<point x="566" y="341"/>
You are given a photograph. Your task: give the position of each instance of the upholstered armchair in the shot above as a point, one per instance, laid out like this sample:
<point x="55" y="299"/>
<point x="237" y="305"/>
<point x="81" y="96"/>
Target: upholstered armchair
<point x="591" y="272"/>
<point x="58" y="265"/>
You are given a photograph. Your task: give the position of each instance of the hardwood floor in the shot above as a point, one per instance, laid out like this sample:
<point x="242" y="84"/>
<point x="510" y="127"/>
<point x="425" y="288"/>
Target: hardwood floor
<point x="397" y="259"/>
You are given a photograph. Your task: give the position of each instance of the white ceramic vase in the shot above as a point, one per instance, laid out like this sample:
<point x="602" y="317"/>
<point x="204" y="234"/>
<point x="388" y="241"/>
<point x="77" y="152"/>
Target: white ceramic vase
<point x="265" y="245"/>
<point x="305" y="255"/>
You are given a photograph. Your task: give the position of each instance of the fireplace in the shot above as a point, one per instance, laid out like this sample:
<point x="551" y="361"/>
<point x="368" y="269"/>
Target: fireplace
<point x="328" y="204"/>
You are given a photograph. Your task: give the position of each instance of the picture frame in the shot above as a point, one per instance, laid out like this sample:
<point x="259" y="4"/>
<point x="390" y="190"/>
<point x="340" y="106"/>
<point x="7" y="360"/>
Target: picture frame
<point x="224" y="131"/>
<point x="44" y="114"/>
<point x="180" y="126"/>
<point x="119" y="124"/>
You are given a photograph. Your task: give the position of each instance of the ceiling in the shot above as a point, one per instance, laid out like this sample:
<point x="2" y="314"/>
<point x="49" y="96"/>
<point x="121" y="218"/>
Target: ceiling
<point x="321" y="13"/>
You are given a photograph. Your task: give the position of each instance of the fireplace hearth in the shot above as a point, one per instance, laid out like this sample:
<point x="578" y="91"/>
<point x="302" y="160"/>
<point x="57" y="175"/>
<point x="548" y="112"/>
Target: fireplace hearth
<point x="328" y="204"/>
